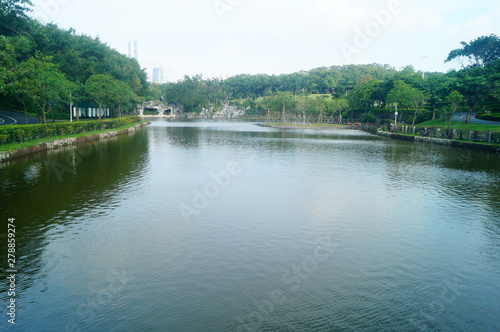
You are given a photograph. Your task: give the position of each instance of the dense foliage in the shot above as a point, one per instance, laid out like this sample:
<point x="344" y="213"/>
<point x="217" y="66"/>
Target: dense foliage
<point x="44" y="68"/>
<point x="16" y="133"/>
<point x="354" y="92"/>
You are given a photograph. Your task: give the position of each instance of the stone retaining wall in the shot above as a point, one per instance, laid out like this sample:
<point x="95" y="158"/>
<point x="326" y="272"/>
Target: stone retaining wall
<point x="56" y="144"/>
<point x="440" y="141"/>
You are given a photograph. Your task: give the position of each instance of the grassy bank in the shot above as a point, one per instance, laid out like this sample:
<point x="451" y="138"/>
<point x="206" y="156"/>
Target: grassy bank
<point x="459" y="125"/>
<point x="11" y="147"/>
<point x="27" y="133"/>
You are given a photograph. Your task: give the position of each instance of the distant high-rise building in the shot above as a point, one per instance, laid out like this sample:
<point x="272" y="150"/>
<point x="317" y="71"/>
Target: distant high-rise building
<point x="133" y="49"/>
<point x="158" y="75"/>
<point x="136" y="50"/>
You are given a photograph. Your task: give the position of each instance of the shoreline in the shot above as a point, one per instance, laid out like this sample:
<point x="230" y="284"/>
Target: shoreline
<point x="312" y="126"/>
<point x="58" y="143"/>
<point x="441" y="141"/>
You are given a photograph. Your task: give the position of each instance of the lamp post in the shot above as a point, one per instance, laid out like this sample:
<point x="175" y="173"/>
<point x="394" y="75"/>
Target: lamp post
<point x="70" y="109"/>
<point x="423" y="70"/>
<point x="395" y="116"/>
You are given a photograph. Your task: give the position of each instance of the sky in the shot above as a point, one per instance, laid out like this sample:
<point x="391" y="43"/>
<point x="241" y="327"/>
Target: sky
<point x="221" y="38"/>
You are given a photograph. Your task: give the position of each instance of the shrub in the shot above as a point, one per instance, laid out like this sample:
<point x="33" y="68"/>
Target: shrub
<point x="368" y="118"/>
<point x="21" y="133"/>
<point x="489" y="116"/>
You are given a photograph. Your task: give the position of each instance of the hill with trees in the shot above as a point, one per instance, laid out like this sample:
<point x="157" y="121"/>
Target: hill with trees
<point x="44" y="68"/>
<point x="353" y="92"/>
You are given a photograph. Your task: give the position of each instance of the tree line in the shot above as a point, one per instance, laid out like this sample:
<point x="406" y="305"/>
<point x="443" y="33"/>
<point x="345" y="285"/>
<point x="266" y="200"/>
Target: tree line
<point x="43" y="68"/>
<point x="357" y="92"/>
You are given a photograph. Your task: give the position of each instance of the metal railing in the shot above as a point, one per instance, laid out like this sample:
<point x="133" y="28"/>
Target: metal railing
<point x="451" y="134"/>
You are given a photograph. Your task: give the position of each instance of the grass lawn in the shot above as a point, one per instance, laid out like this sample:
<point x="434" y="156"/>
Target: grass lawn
<point x="458" y="125"/>
<point x="20" y="145"/>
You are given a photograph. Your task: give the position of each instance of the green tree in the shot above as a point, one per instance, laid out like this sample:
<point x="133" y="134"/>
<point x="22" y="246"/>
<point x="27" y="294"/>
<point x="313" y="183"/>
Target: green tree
<point x="437" y="87"/>
<point x="191" y="92"/>
<point x="418" y="99"/>
<point x="13" y="16"/>
<point x="215" y="92"/>
<point x="400" y="95"/>
<point x="80" y="57"/>
<point x="123" y="97"/>
<point x="316" y="107"/>
<point x="472" y="84"/>
<point x="455" y="98"/>
<point x="40" y="82"/>
<point x="155" y="92"/>
<point x="336" y="106"/>
<point x="102" y="88"/>
<point x="478" y="52"/>
<point x="79" y="95"/>
<point x="281" y="102"/>
<point x="7" y="62"/>
<point x="363" y="96"/>
<point x="496" y="90"/>
<point x="12" y="51"/>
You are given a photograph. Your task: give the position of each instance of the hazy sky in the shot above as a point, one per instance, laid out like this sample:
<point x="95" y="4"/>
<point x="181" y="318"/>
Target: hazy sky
<point x="228" y="37"/>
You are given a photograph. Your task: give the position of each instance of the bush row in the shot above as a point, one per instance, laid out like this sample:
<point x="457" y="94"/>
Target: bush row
<point x="489" y="116"/>
<point x="22" y="133"/>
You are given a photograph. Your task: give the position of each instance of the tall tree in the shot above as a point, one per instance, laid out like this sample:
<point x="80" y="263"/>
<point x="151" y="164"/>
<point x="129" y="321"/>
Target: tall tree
<point x="102" y="89"/>
<point x="334" y="106"/>
<point x="418" y="99"/>
<point x="437" y="87"/>
<point x="13" y="50"/>
<point x="455" y="98"/>
<point x="42" y="83"/>
<point x="363" y="96"/>
<point x="472" y="84"/>
<point x="123" y="96"/>
<point x="13" y="16"/>
<point x="191" y="92"/>
<point x="400" y="95"/>
<point x="478" y="52"/>
<point x="281" y="102"/>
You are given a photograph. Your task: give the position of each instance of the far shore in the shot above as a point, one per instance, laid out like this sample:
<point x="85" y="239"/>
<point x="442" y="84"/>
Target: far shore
<point x="309" y="126"/>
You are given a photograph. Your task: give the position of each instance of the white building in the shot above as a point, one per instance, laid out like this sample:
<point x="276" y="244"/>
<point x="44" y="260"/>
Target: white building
<point x="133" y="50"/>
<point x="87" y="110"/>
<point x="158" y="75"/>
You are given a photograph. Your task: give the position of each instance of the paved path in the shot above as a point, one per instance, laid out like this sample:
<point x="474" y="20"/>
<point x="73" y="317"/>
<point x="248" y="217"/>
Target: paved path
<point x="462" y="116"/>
<point x="13" y="117"/>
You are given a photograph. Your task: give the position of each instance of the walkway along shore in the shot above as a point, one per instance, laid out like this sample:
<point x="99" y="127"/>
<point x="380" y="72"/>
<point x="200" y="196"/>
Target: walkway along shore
<point x="4" y="156"/>
<point x="441" y="141"/>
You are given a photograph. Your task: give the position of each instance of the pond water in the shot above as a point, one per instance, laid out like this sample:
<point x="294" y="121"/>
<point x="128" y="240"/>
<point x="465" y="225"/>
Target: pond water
<point x="229" y="226"/>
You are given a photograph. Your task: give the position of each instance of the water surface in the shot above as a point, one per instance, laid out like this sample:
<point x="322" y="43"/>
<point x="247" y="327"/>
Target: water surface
<point x="228" y="226"/>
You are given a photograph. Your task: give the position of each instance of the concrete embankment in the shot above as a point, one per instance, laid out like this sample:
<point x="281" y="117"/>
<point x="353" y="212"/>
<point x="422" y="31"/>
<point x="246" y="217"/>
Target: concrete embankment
<point x="56" y="144"/>
<point x="440" y="141"/>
